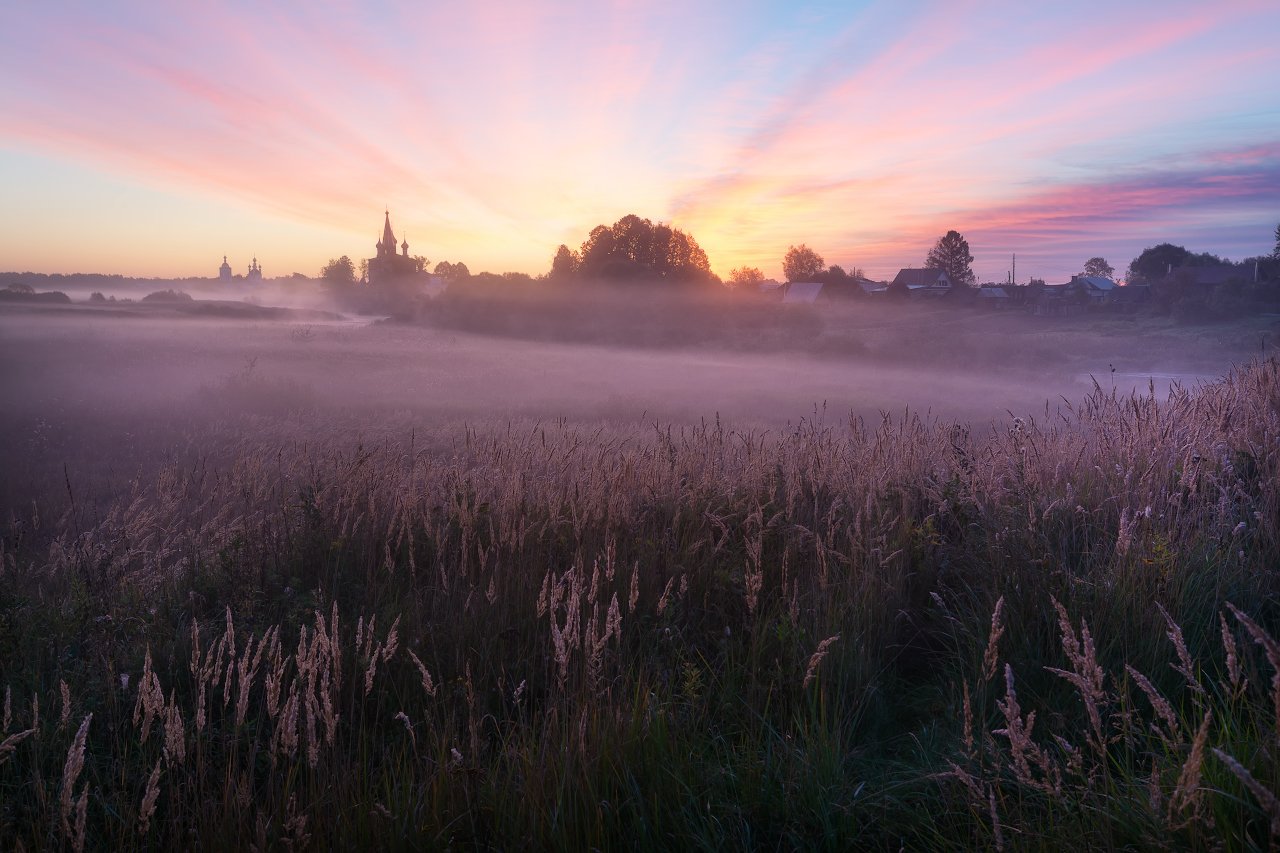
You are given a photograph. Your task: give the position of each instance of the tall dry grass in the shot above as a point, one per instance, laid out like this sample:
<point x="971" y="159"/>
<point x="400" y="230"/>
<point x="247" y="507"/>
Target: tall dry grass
<point x="1060" y="631"/>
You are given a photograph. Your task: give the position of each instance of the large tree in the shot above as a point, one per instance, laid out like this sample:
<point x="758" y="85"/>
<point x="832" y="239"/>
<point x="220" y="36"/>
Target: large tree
<point x="951" y="253"/>
<point x="802" y="263"/>
<point x="1276" y="253"/>
<point x="1156" y="262"/>
<point x="339" y="271"/>
<point x="637" y="248"/>
<point x="1098" y="267"/>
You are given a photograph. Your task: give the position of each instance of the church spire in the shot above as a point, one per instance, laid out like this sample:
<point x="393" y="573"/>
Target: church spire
<point x="388" y="236"/>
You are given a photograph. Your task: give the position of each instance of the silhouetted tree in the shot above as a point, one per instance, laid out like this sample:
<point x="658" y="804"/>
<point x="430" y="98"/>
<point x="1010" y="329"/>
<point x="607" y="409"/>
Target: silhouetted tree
<point x="637" y="248"/>
<point x="1276" y="254"/>
<point x="685" y="257"/>
<point x="564" y="264"/>
<point x="1155" y="262"/>
<point x="597" y="250"/>
<point x="802" y="263"/>
<point x="453" y="272"/>
<point x="1099" y="267"/>
<point x="745" y="277"/>
<point x="951" y="253"/>
<point x="339" y="271"/>
<point x="1261" y="268"/>
<point x="420" y="263"/>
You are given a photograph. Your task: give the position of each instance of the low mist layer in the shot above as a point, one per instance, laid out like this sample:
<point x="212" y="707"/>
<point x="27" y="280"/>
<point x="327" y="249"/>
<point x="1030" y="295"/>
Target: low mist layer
<point x="105" y="391"/>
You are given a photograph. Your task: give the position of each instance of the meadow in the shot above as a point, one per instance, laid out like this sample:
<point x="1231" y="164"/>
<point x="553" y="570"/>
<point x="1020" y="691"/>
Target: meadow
<point x="400" y="588"/>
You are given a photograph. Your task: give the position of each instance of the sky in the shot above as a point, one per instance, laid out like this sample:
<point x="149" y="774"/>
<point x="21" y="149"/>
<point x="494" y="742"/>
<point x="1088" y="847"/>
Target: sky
<point x="151" y="139"/>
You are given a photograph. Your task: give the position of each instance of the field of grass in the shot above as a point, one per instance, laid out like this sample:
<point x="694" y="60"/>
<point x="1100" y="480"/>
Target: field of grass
<point x="896" y="633"/>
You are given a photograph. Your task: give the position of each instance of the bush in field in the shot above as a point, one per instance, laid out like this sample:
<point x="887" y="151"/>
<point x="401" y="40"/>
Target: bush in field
<point x="167" y="296"/>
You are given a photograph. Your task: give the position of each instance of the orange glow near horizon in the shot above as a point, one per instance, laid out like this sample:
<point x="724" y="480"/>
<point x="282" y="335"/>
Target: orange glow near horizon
<point x="151" y="144"/>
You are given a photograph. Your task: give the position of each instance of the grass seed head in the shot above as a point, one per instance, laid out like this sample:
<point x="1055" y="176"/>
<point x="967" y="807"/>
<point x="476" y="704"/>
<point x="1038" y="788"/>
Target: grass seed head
<point x="1264" y="795"/>
<point x="992" y="655"/>
<point x="149" y="797"/>
<point x="70" y="773"/>
<point x="815" y="660"/>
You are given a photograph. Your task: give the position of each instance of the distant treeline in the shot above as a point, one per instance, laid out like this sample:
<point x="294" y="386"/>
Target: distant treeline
<point x="98" y="281"/>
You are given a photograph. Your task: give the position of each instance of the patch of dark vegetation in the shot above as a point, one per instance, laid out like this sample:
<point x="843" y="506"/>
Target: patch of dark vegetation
<point x="167" y="296"/>
<point x="26" y="294"/>
<point x="641" y="315"/>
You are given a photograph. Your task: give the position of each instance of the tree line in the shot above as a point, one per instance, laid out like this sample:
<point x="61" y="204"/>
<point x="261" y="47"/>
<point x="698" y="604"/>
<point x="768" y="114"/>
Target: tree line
<point x="634" y="249"/>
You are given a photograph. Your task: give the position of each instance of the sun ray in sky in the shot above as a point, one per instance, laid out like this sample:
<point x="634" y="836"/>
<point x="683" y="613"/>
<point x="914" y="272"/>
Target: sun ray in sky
<point x="151" y="139"/>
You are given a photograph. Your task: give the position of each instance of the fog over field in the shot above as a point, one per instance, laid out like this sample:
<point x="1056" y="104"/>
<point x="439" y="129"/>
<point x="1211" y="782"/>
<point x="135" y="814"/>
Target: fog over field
<point x="104" y="391"/>
<point x="355" y="366"/>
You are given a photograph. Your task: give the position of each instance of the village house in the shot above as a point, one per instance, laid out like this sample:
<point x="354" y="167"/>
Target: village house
<point x="1072" y="297"/>
<point x="801" y="292"/>
<point x="926" y="282"/>
<point x="1097" y="289"/>
<point x="872" y="288"/>
<point x="995" y="297"/>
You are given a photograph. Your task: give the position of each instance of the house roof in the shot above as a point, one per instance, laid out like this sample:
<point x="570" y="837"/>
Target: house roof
<point x="802" y="292"/>
<point x="992" y="293"/>
<point x="868" y="286"/>
<point x="913" y="277"/>
<point x="1097" y="282"/>
<point x="1054" y="291"/>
